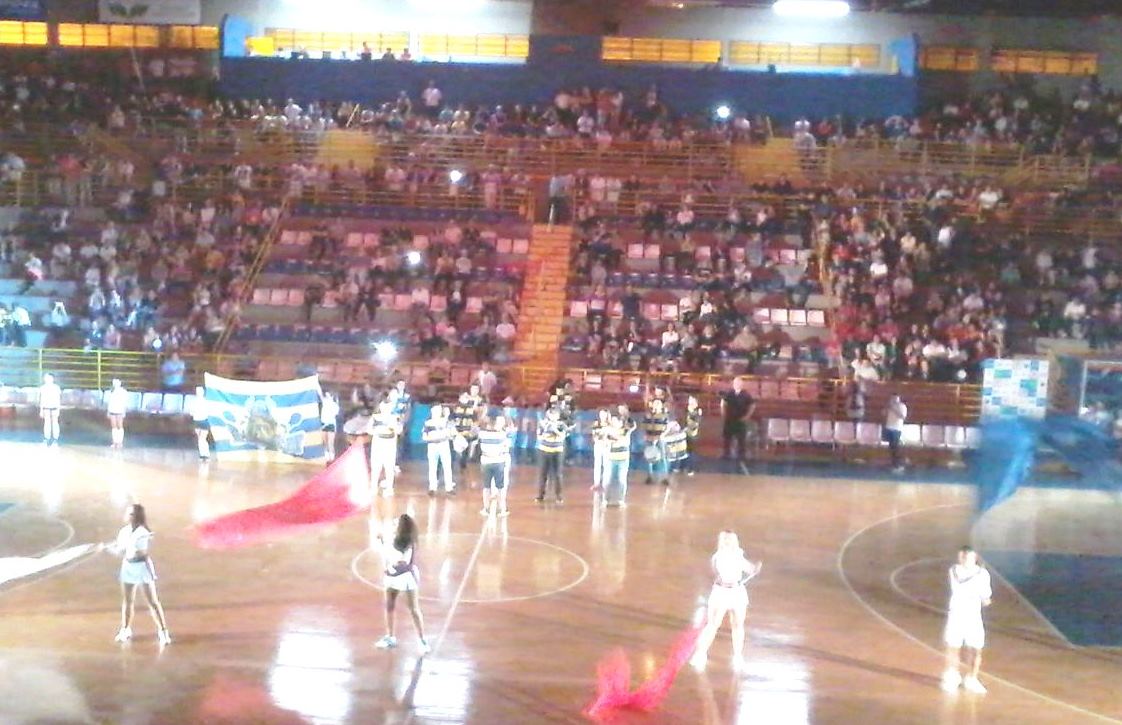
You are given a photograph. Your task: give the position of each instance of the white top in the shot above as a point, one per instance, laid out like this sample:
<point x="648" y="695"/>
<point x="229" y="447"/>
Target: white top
<point x="384" y="427"/>
<point x="970" y="589"/>
<point x="732" y="567"/>
<point x="397" y="562"/>
<point x="50" y="395"/>
<point x="116" y="401"/>
<point x="895" y="416"/>
<point x="131" y="542"/>
<point x="329" y="411"/>
<point x="198" y="409"/>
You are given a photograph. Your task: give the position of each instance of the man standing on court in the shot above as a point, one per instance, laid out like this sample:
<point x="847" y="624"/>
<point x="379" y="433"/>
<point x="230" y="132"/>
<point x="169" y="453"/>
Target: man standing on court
<point x="971" y="590"/>
<point x="438" y="433"/>
<point x="737" y="407"/>
<point x="894" y="416"/>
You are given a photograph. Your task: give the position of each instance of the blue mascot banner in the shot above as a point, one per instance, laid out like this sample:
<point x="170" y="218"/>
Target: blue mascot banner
<point x="252" y="420"/>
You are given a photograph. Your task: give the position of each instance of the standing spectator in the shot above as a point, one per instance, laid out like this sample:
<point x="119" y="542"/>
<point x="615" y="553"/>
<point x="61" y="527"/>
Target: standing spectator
<point x="895" y="415"/>
<point x="19" y="324"/>
<point x="173" y="372"/>
<point x="737" y="407"/>
<point x="486" y="380"/>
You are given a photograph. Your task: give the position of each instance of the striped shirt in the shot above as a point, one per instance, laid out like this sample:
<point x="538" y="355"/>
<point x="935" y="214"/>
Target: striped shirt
<point x="654" y="424"/>
<point x="494" y="447"/>
<point x="675" y="444"/>
<point x="384" y="427"/>
<point x="693" y="422"/>
<point x="437" y="432"/>
<point x="551" y="436"/>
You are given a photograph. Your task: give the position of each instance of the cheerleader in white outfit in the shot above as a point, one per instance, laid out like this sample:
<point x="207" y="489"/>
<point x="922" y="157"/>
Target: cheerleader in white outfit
<point x="116" y="404"/>
<point x="729" y="597"/>
<point x="50" y="401"/>
<point x="401" y="575"/>
<point x="137" y="570"/>
<point x="199" y="420"/>
<point x="329" y="419"/>
<point x="971" y="591"/>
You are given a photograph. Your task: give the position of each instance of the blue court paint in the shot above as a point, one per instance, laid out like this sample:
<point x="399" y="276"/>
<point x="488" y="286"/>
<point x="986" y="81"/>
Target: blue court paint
<point x="1078" y="594"/>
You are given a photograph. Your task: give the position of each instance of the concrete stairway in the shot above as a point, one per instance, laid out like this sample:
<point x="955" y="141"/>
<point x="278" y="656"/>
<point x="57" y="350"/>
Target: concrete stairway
<point x="542" y="314"/>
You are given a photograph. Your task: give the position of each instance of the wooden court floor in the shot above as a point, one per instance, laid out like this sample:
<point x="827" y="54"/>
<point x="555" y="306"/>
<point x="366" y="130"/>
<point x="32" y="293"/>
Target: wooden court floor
<point x="843" y="628"/>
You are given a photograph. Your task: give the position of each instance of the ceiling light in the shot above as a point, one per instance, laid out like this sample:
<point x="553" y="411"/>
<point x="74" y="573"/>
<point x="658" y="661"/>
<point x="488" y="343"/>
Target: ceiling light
<point x="811" y="8"/>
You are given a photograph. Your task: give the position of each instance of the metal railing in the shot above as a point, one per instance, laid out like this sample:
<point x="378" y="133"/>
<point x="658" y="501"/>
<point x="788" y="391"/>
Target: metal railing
<point x="789" y="397"/>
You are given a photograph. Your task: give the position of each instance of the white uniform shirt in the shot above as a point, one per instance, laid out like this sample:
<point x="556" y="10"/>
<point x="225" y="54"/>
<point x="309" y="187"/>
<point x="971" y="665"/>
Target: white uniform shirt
<point x="198" y="409"/>
<point x="131" y="542"/>
<point x="329" y="411"/>
<point x="50" y="396"/>
<point x="730" y="567"/>
<point x="384" y="427"/>
<point x="116" y="401"/>
<point x="896" y="415"/>
<point x="970" y="588"/>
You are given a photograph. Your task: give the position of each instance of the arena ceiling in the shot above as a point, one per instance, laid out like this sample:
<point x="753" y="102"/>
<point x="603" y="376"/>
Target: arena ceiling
<point x="1052" y="8"/>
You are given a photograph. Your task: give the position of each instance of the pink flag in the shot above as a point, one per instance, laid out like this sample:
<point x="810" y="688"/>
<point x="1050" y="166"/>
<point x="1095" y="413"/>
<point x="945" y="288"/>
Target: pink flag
<point x="613" y="680"/>
<point x="337" y="492"/>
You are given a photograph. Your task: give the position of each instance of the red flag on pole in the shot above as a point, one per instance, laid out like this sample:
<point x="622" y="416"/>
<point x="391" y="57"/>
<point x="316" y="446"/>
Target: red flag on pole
<point x="337" y="492"/>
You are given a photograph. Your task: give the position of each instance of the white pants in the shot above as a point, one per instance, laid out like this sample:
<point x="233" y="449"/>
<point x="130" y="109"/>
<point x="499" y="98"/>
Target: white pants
<point x="440" y="460"/>
<point x="601" y="466"/>
<point x="383" y="461"/>
<point x="964" y="631"/>
<point x="50" y="424"/>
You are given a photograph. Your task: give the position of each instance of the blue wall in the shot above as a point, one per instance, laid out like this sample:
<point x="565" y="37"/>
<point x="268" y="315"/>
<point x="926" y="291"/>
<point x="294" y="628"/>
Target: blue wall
<point x="783" y="96"/>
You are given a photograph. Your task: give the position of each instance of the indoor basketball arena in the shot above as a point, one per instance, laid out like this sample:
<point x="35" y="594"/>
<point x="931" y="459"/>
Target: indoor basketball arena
<point x="549" y="361"/>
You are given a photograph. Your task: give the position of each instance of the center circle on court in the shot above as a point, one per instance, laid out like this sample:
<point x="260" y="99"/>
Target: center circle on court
<point x="506" y="569"/>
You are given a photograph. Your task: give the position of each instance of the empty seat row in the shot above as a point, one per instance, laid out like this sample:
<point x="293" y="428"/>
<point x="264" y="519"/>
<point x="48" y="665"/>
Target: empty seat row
<point x="849" y="433"/>
<point x="403" y="213"/>
<point x="396" y="302"/>
<point x="785" y="255"/>
<point x="78" y="399"/>
<point x="782" y="317"/>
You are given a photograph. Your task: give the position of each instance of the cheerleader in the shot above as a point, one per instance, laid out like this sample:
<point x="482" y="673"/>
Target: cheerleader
<point x="693" y="432"/>
<point x="202" y="427"/>
<point x="601" y="442"/>
<point x="437" y="433"/>
<point x="729" y="597"/>
<point x="137" y="570"/>
<point x="50" y="400"/>
<point x="329" y="418"/>
<point x="116" y="403"/>
<point x="401" y="575"/>
<point x="384" y="428"/>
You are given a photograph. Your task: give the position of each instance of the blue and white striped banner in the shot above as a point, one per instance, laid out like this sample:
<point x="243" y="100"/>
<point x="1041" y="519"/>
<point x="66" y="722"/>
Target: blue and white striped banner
<point x="264" y="420"/>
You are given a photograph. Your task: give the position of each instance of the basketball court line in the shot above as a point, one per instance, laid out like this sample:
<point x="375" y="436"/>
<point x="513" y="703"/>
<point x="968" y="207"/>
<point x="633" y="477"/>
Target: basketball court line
<point x="840" y="569"/>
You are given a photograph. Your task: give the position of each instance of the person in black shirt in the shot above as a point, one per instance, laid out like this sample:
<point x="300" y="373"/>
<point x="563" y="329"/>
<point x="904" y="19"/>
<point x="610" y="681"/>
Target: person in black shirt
<point x="737" y="407"/>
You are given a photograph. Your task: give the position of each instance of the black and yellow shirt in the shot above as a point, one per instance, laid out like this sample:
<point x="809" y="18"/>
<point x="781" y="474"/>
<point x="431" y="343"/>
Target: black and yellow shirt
<point x="551" y="436"/>
<point x="675" y="445"/>
<point x="465" y="418"/>
<point x="654" y="424"/>
<point x="693" y="423"/>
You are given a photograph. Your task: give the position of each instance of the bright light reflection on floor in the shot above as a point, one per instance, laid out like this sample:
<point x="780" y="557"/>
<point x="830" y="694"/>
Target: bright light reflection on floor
<point x="312" y="673"/>
<point x="444" y="692"/>
<point x="774" y="692"/>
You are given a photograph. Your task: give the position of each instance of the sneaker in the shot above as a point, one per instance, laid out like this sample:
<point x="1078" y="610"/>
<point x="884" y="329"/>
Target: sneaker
<point x="648" y="481"/>
<point x="666" y="482"/>
<point x="699" y="660"/>
<point x="560" y="501"/>
<point x="165" y="637"/>
<point x="386" y="642"/>
<point x="432" y="493"/>
<point x="897" y="469"/>
<point x="504" y="513"/>
<point x="971" y="684"/>
<point x="425" y="649"/>
<point x="451" y="492"/>
<point x="124" y="634"/>
<point x="691" y="474"/>
<point x="484" y="512"/>
<point x="539" y="499"/>
<point x="951" y="681"/>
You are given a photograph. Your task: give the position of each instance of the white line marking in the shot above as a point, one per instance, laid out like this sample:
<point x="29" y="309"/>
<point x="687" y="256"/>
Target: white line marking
<point x="460" y="589"/>
<point x="907" y="635"/>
